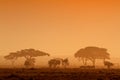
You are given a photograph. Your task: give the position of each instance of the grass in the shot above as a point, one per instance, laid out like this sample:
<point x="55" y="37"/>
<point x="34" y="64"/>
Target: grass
<point x="59" y="74"/>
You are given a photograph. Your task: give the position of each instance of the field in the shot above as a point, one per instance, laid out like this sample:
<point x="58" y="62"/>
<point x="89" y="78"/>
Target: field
<point x="59" y="74"/>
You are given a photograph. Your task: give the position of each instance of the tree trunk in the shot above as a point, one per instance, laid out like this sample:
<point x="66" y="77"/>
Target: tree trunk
<point x="13" y="61"/>
<point x="13" y="64"/>
<point x="103" y="60"/>
<point x="108" y="66"/>
<point x="85" y="61"/>
<point x="93" y="62"/>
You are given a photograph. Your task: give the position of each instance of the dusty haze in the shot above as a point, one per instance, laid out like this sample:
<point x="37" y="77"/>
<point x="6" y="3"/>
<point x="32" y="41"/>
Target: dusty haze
<point x="59" y="27"/>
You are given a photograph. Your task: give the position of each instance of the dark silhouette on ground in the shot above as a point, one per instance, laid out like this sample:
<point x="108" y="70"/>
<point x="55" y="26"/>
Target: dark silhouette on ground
<point x="108" y="64"/>
<point x="65" y="63"/>
<point x="87" y="67"/>
<point x="91" y="54"/>
<point x="28" y="54"/>
<point x="56" y="62"/>
<point x="53" y="63"/>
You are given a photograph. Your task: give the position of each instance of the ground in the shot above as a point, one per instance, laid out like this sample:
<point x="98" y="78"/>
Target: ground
<point x="59" y="74"/>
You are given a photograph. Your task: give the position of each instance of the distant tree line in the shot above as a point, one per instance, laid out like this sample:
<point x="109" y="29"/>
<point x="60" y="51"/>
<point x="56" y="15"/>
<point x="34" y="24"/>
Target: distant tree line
<point x="85" y="54"/>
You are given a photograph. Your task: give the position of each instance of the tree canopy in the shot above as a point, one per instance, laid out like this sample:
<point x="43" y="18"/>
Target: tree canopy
<point x="92" y="53"/>
<point x="29" y="54"/>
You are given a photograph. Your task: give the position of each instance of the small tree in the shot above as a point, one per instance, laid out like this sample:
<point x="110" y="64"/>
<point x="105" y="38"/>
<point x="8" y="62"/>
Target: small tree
<point x="108" y="64"/>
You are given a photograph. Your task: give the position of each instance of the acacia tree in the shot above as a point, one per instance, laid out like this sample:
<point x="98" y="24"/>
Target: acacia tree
<point x="92" y="53"/>
<point x="28" y="54"/>
<point x="12" y="57"/>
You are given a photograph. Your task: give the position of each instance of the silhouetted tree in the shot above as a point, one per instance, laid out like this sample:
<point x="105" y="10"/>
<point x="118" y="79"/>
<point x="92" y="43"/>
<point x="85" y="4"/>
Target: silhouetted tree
<point x="12" y="57"/>
<point x="56" y="62"/>
<point x="28" y="54"/>
<point x="65" y="62"/>
<point x="108" y="64"/>
<point x="92" y="53"/>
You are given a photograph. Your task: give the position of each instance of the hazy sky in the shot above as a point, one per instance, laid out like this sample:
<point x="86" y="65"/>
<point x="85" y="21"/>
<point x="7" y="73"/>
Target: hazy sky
<point x="59" y="27"/>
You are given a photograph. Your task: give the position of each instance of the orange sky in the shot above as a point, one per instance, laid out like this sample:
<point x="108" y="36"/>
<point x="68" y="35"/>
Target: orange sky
<point x="59" y="27"/>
